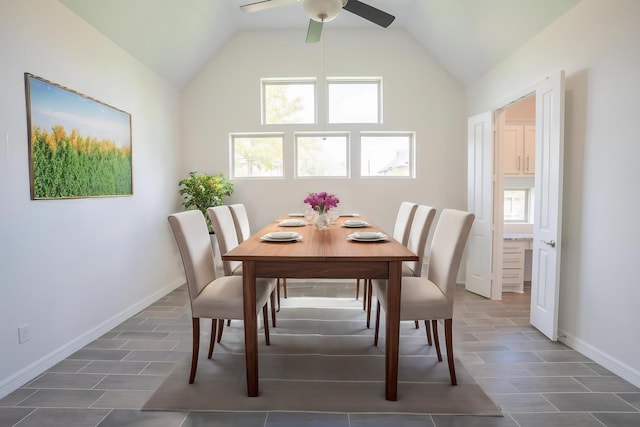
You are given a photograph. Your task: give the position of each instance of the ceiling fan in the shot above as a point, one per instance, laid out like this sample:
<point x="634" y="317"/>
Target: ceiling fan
<point x="321" y="11"/>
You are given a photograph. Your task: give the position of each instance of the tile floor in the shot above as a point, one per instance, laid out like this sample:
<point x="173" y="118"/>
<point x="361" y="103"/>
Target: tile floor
<point x="536" y="382"/>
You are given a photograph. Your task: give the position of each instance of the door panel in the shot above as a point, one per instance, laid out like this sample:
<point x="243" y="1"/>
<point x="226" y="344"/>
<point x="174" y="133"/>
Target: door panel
<point x="480" y="188"/>
<point x="547" y="229"/>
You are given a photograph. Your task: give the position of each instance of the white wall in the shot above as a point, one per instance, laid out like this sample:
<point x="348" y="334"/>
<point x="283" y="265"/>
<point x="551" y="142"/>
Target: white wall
<point x="74" y="269"/>
<point x="418" y="96"/>
<point x="596" y="43"/>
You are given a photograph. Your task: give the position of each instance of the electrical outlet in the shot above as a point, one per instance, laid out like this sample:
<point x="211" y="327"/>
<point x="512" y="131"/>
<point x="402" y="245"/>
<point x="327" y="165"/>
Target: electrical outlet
<point x="24" y="333"/>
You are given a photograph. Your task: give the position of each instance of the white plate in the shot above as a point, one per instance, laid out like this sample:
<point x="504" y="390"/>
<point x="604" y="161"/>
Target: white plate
<point x="377" y="239"/>
<point x="292" y="223"/>
<point x="366" y="235"/>
<point x="266" y="238"/>
<point x="355" y="224"/>
<point x="296" y="214"/>
<point x="282" y="235"/>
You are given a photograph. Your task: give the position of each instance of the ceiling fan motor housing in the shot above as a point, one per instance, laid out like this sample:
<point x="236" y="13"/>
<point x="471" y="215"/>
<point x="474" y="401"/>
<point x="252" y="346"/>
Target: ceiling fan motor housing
<point x="323" y="10"/>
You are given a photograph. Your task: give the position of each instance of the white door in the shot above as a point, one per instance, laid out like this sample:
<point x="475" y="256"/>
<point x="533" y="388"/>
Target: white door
<point x="480" y="188"/>
<point x="547" y="229"/>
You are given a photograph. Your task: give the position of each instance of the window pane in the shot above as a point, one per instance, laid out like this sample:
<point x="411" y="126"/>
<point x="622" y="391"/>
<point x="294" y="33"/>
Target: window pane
<point x="257" y="156"/>
<point x="288" y="102"/>
<point x="515" y="205"/>
<point x="386" y="155"/>
<point x="354" y="102"/>
<point x="321" y="155"/>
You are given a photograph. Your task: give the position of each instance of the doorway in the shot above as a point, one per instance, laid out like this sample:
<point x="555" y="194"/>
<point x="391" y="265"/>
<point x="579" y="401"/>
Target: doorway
<point x="485" y="198"/>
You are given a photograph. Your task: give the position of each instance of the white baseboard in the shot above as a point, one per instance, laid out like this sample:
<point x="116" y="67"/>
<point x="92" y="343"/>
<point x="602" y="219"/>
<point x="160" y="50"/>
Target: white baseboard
<point x="619" y="368"/>
<point x="38" y="367"/>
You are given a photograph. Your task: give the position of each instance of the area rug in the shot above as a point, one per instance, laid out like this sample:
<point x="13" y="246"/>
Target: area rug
<point x="322" y="359"/>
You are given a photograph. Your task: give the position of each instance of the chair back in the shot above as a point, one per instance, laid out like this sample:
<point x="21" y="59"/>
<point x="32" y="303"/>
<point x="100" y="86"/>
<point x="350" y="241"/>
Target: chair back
<point x="447" y="247"/>
<point x="226" y="234"/>
<point x="403" y="221"/>
<point x="192" y="235"/>
<point x="418" y="234"/>
<point x="241" y="221"/>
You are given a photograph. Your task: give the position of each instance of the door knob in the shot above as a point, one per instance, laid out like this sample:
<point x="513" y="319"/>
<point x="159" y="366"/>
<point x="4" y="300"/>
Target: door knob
<point x="552" y="243"/>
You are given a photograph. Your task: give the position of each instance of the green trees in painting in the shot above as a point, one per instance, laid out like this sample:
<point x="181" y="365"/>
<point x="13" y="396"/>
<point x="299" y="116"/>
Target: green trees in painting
<point x="76" y="166"/>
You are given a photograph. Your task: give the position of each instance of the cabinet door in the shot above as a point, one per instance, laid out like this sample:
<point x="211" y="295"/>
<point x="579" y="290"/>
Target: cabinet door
<point x="529" y="158"/>
<point x="512" y="149"/>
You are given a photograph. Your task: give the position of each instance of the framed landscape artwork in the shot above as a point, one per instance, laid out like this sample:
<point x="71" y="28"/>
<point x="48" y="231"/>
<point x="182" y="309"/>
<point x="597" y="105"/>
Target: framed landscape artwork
<point x="78" y="147"/>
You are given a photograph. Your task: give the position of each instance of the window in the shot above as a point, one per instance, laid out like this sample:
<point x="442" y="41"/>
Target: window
<point x="354" y="101"/>
<point x="322" y="155"/>
<point x="285" y="102"/>
<point x="257" y="155"/>
<point x="387" y="154"/>
<point x="518" y="204"/>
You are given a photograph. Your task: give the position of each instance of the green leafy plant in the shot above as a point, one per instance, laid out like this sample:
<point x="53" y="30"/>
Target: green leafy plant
<point x="201" y="191"/>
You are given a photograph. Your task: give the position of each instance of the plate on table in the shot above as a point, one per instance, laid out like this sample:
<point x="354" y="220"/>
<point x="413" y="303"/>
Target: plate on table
<point x="355" y="223"/>
<point x="368" y="236"/>
<point x="296" y="214"/>
<point x="281" y="236"/>
<point x="350" y="214"/>
<point x="292" y="223"/>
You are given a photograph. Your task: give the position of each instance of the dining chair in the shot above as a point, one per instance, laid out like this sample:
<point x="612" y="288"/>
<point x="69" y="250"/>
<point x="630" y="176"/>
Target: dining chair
<point x="227" y="237"/>
<point x="420" y="226"/>
<point x="211" y="297"/>
<point x="243" y="229"/>
<point x="432" y="297"/>
<point x="401" y="229"/>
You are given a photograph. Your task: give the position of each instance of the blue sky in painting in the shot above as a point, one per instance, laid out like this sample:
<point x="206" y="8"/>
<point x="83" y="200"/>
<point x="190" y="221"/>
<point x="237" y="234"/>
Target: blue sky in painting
<point x="52" y="105"/>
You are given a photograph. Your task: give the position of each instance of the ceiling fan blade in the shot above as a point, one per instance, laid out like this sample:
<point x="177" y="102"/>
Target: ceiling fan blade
<point x="314" y="31"/>
<point x="369" y="13"/>
<point x="265" y="4"/>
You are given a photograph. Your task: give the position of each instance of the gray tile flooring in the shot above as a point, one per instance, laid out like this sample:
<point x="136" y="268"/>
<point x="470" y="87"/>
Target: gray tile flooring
<point x="536" y="382"/>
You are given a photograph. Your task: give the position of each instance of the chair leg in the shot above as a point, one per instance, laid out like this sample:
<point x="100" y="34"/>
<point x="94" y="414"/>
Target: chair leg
<point x="220" y="329"/>
<point x="428" y="328"/>
<point x="368" y="289"/>
<point x="212" y="341"/>
<point x="357" y="289"/>
<point x="417" y="325"/>
<point x="278" y="292"/>
<point x="284" y="286"/>
<point x="448" y="337"/>
<point x="195" y="324"/>
<point x="434" y="324"/>
<point x="228" y="322"/>
<point x="265" y="317"/>
<point x="375" y="336"/>
<point x="273" y="308"/>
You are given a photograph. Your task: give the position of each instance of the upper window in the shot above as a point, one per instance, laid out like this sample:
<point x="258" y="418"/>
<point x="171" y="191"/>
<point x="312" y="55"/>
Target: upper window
<point x="257" y="155"/>
<point x="387" y="154"/>
<point x="322" y="155"/>
<point x="354" y="100"/>
<point x="291" y="101"/>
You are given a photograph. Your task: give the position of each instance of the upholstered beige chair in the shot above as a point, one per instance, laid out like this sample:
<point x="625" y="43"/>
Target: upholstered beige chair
<point x="431" y="298"/>
<point x="243" y="228"/>
<point x="416" y="242"/>
<point x="211" y="297"/>
<point x="401" y="229"/>
<point x="227" y="237"/>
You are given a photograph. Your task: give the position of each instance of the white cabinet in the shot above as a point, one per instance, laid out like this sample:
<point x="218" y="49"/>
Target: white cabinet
<point x="513" y="264"/>
<point x="519" y="150"/>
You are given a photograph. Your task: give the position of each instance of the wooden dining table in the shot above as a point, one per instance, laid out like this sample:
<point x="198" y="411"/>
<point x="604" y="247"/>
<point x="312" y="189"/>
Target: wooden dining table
<point x="321" y="254"/>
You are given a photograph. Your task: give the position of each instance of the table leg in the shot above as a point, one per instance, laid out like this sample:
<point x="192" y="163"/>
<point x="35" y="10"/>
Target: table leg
<point x="250" y="326"/>
<point x="393" y="329"/>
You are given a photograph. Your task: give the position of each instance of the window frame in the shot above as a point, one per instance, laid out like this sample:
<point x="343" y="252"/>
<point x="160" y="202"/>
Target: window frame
<point x="528" y="205"/>
<point x="320" y="134"/>
<point x="232" y="151"/>
<point x="412" y="153"/>
<point x="354" y="81"/>
<point x="264" y="82"/>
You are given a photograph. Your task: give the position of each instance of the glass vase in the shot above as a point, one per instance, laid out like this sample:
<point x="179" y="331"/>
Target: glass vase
<point x="322" y="221"/>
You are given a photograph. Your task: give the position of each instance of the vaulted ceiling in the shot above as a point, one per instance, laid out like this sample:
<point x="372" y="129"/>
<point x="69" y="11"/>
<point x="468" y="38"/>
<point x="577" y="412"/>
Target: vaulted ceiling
<point x="176" y="38"/>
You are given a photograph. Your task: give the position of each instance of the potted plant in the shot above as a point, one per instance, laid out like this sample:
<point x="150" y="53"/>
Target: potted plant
<point x="201" y="190"/>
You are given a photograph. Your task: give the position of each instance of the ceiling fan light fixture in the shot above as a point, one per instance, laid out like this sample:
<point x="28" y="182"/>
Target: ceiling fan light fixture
<point x="323" y="10"/>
